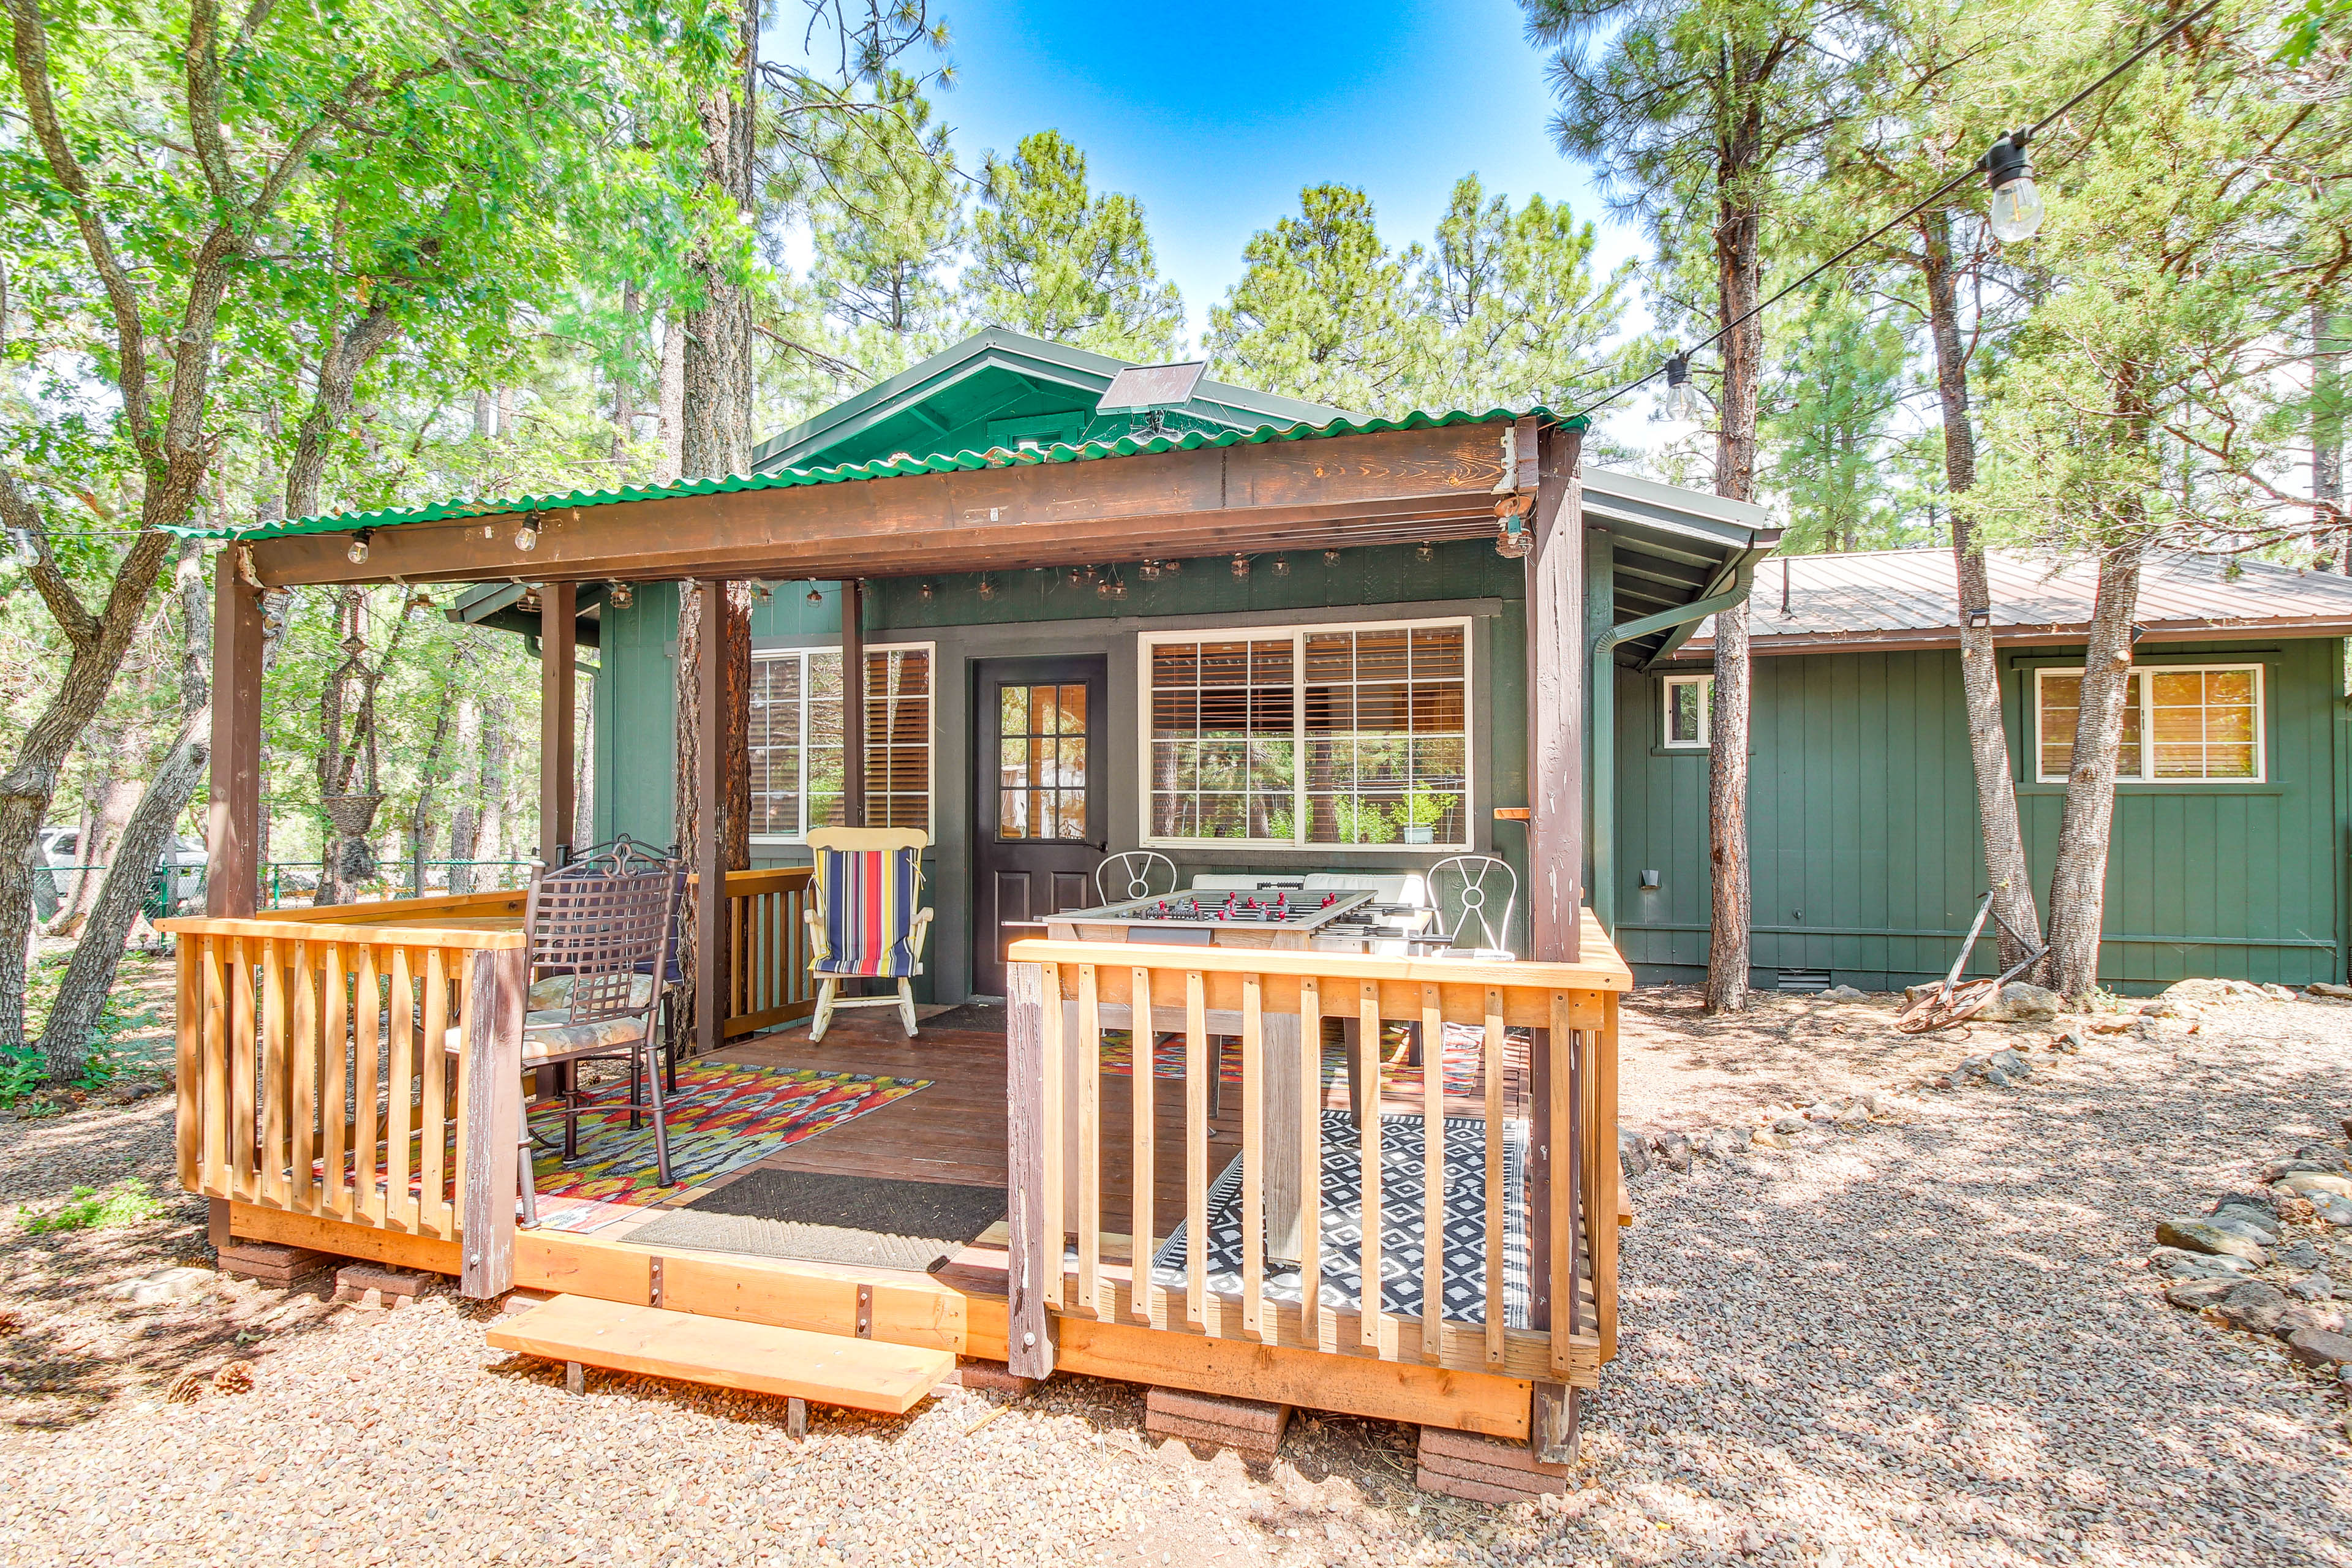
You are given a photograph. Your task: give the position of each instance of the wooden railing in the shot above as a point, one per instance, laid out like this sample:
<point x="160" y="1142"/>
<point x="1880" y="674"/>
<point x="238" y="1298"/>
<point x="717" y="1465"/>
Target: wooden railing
<point x="1064" y="994"/>
<point x="497" y="906"/>
<point x="768" y="977"/>
<point x="316" y="1076"/>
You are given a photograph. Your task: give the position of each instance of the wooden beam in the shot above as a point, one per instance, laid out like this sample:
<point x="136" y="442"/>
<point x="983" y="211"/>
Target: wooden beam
<point x="853" y="703"/>
<point x="489" y="1121"/>
<point x="559" y="622"/>
<point x="1556" y="675"/>
<point x="1034" y="1209"/>
<point x="233" y="827"/>
<point x="710" y="842"/>
<point x="1350" y="489"/>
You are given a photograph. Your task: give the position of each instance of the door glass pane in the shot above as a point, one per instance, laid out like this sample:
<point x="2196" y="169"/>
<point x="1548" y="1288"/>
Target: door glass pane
<point x="1013" y="704"/>
<point x="1074" y="710"/>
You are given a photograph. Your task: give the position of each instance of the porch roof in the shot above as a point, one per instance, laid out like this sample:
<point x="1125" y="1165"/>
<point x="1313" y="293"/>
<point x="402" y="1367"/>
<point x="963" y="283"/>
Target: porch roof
<point x="903" y="466"/>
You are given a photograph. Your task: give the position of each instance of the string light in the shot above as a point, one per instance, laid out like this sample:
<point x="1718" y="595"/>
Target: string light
<point x="1241" y="565"/>
<point x="987" y="587"/>
<point x="527" y="536"/>
<point x="1282" y="565"/>
<point x="358" y="553"/>
<point x="923" y="592"/>
<point x="815" y="594"/>
<point x="1424" y="550"/>
<point x="621" y="595"/>
<point x="2017" y="210"/>
<point x="1149" y="571"/>
<point x="1331" y="558"/>
<point x="1682" y="396"/>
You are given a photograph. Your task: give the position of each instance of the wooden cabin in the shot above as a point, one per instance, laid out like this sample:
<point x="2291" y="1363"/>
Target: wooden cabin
<point x="1015" y="517"/>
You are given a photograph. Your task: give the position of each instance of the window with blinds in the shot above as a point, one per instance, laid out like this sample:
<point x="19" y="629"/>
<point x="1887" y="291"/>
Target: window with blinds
<point x="1321" y="736"/>
<point x="796" y="740"/>
<point x="2181" y="725"/>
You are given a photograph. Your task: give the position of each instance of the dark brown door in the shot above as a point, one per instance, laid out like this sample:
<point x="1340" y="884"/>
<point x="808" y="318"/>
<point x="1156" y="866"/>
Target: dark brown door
<point x="1043" y="815"/>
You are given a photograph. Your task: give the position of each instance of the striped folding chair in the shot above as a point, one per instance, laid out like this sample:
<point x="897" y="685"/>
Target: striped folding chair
<point x="863" y="917"/>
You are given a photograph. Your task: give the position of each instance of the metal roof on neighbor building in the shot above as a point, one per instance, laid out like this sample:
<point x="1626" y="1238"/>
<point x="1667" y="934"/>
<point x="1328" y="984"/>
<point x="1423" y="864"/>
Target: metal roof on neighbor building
<point x="1909" y="598"/>
<point x="892" y="467"/>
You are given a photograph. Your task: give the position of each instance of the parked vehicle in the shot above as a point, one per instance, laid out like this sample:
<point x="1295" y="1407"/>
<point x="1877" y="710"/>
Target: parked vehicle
<point x="179" y="881"/>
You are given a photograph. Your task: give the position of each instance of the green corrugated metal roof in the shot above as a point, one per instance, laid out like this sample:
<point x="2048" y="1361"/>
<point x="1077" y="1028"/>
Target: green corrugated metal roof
<point x="787" y="479"/>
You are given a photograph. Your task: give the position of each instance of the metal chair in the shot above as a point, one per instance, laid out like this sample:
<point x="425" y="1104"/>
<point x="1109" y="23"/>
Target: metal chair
<point x="862" y="917"/>
<point x="623" y="853"/>
<point x="598" y="934"/>
<point x="1471" y="886"/>
<point x="1134" y="874"/>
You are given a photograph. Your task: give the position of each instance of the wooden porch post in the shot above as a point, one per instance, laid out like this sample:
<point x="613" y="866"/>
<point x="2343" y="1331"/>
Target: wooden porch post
<point x="233" y="825"/>
<point x="853" y="703"/>
<point x="559" y="613"/>
<point x="1556" y="655"/>
<point x="491" y="1136"/>
<point x="1034" y="1208"/>
<point x="709" y="844"/>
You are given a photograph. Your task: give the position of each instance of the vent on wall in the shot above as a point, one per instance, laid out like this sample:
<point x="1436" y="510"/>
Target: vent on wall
<point x="1802" y="980"/>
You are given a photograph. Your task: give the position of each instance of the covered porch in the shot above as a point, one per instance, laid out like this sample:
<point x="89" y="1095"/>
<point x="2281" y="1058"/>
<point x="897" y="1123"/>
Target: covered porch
<point x="315" y="1114"/>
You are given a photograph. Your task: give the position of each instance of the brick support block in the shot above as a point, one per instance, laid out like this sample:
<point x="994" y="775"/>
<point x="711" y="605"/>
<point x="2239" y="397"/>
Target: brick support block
<point x="991" y="1377"/>
<point x="373" y="1285"/>
<point x="1485" y="1469"/>
<point x="269" y="1263"/>
<point x="1251" y="1427"/>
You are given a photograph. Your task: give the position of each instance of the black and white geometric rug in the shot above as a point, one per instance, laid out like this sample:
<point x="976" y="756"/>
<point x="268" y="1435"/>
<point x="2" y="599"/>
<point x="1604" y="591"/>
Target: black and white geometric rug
<point x="1400" y="1228"/>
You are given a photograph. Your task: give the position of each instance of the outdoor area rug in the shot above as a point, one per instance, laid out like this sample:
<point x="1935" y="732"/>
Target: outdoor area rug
<point x="1465" y="1054"/>
<point x="723" y="1116"/>
<point x="855" y="1220"/>
<point x="1400" y="1227"/>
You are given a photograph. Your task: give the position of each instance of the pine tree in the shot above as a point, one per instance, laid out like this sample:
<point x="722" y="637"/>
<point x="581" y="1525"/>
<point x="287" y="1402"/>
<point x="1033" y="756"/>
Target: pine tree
<point x="1051" y="258"/>
<point x="1324" y="311"/>
<point x="1828" y="425"/>
<point x="1520" y="318"/>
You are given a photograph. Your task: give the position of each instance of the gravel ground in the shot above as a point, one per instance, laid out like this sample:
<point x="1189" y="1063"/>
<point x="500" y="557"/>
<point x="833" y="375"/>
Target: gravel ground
<point x="1922" y="1341"/>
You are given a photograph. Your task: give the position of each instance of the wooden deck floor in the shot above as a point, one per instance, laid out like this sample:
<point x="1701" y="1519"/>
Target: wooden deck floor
<point x="955" y="1130"/>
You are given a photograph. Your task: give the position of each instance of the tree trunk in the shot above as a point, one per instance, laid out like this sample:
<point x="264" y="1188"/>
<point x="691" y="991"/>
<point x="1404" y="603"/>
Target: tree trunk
<point x="2078" y="885"/>
<point x="491" y="838"/>
<point x="99" y="842"/>
<point x="1738" y="263"/>
<point x="625" y="401"/>
<point x="89" y="976"/>
<point x="2328" y="431"/>
<point x="2006" y="871"/>
<point x="672" y="417"/>
<point x="716" y="431"/>
<point x="465" y="815"/>
<point x="428" y="778"/>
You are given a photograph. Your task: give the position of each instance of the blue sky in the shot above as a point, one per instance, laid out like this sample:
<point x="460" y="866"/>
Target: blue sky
<point x="1215" y="114"/>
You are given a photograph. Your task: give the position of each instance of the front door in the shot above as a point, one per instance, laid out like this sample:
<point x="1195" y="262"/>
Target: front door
<point x="1043" y="808"/>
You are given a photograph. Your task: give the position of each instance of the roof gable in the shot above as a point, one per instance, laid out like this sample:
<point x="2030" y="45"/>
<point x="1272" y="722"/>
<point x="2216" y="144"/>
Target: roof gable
<point x="998" y="388"/>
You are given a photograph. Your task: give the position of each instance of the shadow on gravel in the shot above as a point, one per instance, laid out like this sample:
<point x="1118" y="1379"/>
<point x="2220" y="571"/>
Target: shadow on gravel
<point x="1937" y="1335"/>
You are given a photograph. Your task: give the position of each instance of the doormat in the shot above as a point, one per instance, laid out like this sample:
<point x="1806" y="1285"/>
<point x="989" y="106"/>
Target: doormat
<point x="986" y="1016"/>
<point x="724" y="1116"/>
<point x="1341" y="1252"/>
<point x="858" y="1221"/>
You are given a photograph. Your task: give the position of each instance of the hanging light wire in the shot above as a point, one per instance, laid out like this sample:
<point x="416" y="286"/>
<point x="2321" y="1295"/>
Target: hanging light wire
<point x="2016" y="138"/>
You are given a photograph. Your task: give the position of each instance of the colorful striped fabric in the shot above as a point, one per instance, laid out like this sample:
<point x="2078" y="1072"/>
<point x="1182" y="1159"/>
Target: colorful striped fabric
<point x="867" y="899"/>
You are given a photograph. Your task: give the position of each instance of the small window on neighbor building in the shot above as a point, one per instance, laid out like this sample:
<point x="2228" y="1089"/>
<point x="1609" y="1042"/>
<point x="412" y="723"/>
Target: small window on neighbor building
<point x="2180" y="725"/>
<point x="1690" y="713"/>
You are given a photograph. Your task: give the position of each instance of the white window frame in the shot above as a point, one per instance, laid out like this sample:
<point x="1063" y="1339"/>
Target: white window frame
<point x="1705" y="684"/>
<point x="2148" y="724"/>
<point x="1470" y="792"/>
<point x="930" y="738"/>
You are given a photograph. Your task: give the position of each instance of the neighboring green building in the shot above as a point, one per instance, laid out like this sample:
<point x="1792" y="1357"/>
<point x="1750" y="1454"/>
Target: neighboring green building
<point x="2228" y="857"/>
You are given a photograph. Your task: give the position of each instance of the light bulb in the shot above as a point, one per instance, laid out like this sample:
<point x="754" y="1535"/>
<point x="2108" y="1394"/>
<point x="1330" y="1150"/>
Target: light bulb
<point x="622" y="596"/>
<point x="1241" y="565"/>
<point x="815" y="594"/>
<point x="1683" y="400"/>
<point x="923" y="592"/>
<point x="526" y="537"/>
<point x="2017" y="210"/>
<point x="987" y="587"/>
<point x="358" y="553"/>
<point x="1282" y="565"/>
<point x="1331" y="558"/>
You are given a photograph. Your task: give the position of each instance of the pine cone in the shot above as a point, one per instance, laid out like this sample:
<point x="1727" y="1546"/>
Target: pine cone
<point x="10" y="1323"/>
<point x="186" y="1388"/>
<point x="235" y="1377"/>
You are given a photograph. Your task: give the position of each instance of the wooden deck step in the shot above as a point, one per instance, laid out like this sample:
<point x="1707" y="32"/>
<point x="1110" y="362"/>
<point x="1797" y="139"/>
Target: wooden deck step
<point x="825" y="1369"/>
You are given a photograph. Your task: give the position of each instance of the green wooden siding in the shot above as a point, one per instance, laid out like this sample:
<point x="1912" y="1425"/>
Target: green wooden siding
<point x="635" y="707"/>
<point x="1866" y="859"/>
